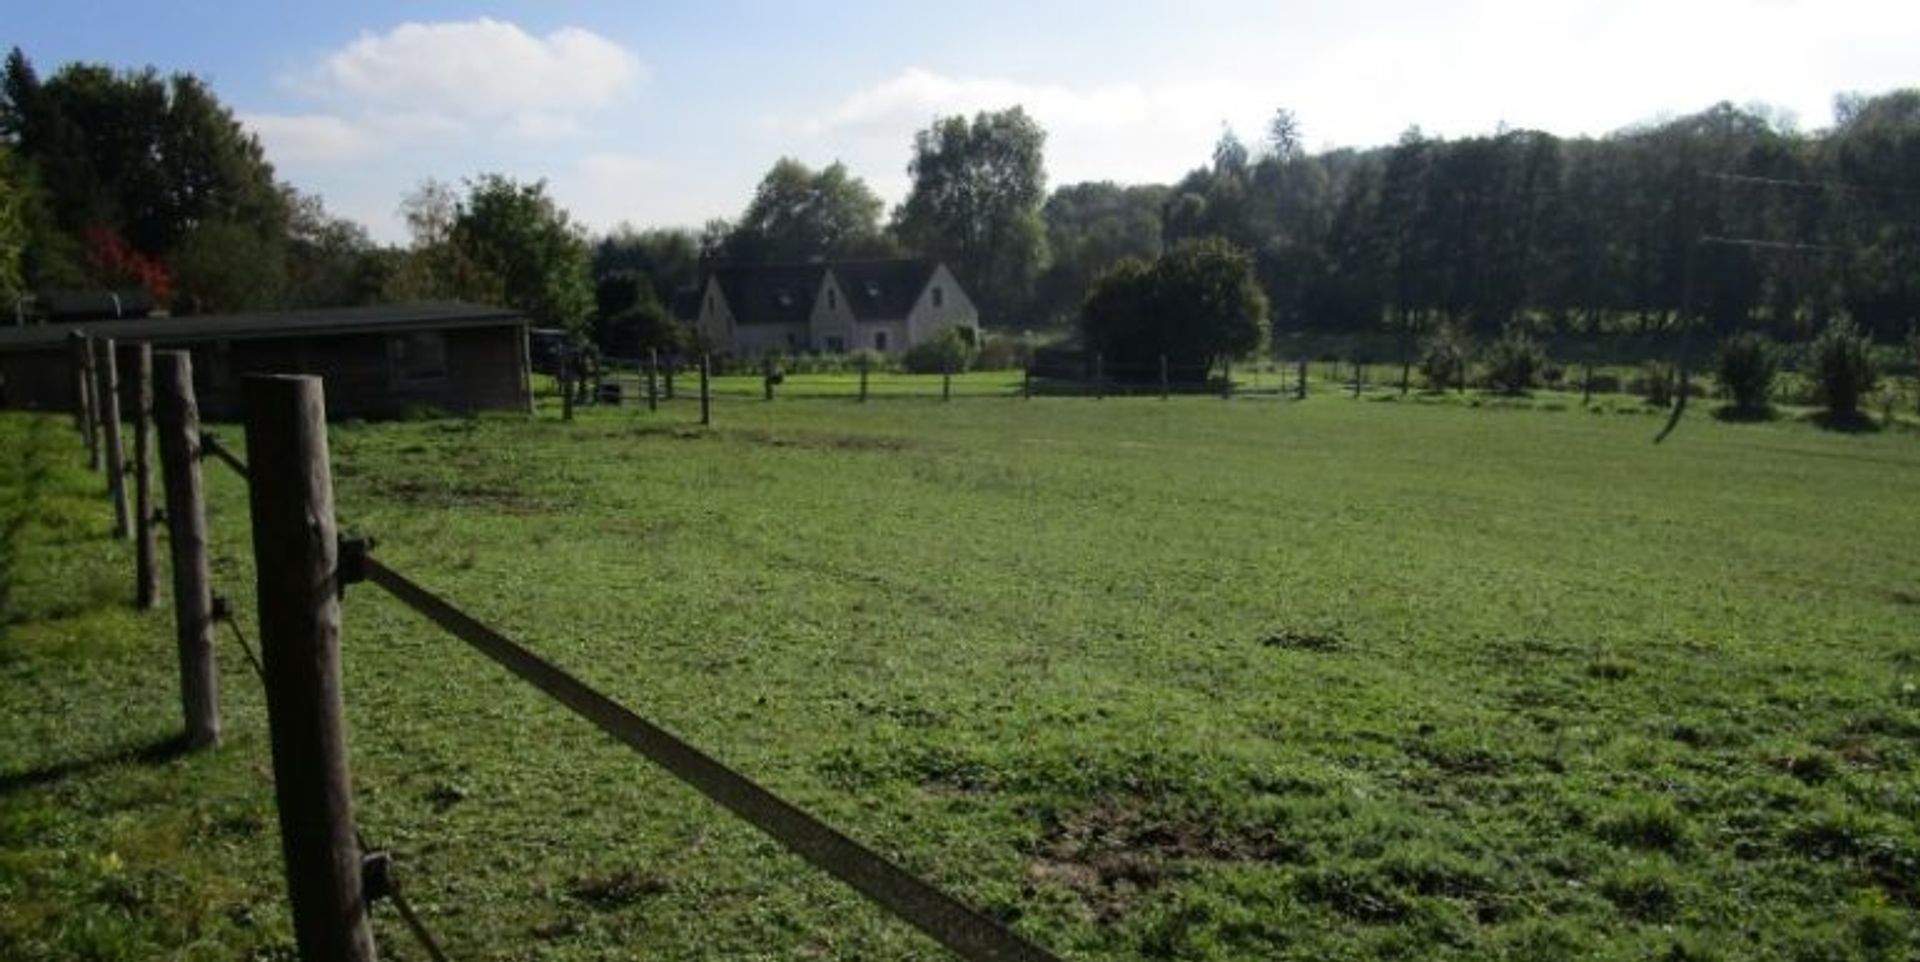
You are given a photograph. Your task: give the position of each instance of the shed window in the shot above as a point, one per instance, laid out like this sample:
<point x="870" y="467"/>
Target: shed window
<point x="418" y="356"/>
<point x="938" y="295"/>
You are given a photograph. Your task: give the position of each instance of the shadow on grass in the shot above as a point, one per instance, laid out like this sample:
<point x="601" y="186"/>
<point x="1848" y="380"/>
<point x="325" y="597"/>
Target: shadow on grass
<point x="1734" y="414"/>
<point x="1852" y="422"/>
<point x="151" y="753"/>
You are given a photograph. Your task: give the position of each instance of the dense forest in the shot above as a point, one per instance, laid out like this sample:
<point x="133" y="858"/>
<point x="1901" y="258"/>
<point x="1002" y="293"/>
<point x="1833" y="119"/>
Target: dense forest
<point x="1730" y="216"/>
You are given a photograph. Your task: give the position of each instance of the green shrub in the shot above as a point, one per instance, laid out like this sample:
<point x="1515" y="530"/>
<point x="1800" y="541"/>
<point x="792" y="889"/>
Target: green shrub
<point x="1515" y="363"/>
<point x="1004" y="352"/>
<point x="1749" y="363"/>
<point x="1843" y="368"/>
<point x="1442" y="356"/>
<point x="949" y="350"/>
<point x="1658" y="382"/>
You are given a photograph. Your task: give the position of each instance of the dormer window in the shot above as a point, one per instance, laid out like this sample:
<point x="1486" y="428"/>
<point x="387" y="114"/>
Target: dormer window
<point x="783" y="297"/>
<point x="873" y="290"/>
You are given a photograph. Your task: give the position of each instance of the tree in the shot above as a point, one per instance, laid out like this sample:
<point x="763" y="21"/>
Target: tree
<point x="331" y="262"/>
<point x="668" y="258"/>
<point x="1748" y="364"/>
<point x="975" y="203"/>
<point x="1843" y="369"/>
<point x="436" y="266"/>
<point x="517" y="233"/>
<point x="1284" y="137"/>
<point x="1090" y="228"/>
<point x="1196" y="306"/>
<point x="13" y="228"/>
<point x="150" y="159"/>
<point x="798" y="214"/>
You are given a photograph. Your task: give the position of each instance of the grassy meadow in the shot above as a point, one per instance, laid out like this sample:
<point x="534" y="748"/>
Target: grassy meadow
<point x="1380" y="679"/>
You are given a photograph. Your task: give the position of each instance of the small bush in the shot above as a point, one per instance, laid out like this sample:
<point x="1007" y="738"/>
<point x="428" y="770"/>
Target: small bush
<point x="1442" y="356"/>
<point x="949" y="350"/>
<point x="1658" y="382"/>
<point x="1748" y="365"/>
<point x="1843" y="368"/>
<point x="1515" y="363"/>
<point x="1004" y="352"/>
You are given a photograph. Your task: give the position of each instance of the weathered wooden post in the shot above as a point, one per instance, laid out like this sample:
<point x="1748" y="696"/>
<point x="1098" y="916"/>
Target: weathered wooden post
<point x="107" y="389"/>
<point x="1026" y="383"/>
<point x="673" y="367"/>
<point x="566" y="385"/>
<point x="865" y="363"/>
<point x="706" y="396"/>
<point x="1100" y="377"/>
<point x="296" y="552"/>
<point x="82" y="408"/>
<point x="1163" y="377"/>
<point x="766" y="377"/>
<point x="946" y="381"/>
<point x="1356" y="377"/>
<point x="90" y="391"/>
<point x="1226" y="380"/>
<point x="653" y="383"/>
<point x="1461" y="368"/>
<point x="1586" y="387"/>
<point x="1300" y="382"/>
<point x="146" y="578"/>
<point x="178" y="416"/>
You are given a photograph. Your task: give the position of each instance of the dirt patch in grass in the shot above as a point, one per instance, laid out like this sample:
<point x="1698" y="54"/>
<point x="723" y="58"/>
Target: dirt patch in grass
<point x="616" y="890"/>
<point x="1293" y="640"/>
<point x="1112" y="853"/>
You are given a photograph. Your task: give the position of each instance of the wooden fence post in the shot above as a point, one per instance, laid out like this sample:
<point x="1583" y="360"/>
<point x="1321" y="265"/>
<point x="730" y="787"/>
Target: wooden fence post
<point x="1461" y="368"/>
<point x="178" y="416"/>
<point x="107" y="389"/>
<point x="91" y="391"/>
<point x="1300" y="382"/>
<point x="653" y="382"/>
<point x="766" y="377"/>
<point x="673" y="367"/>
<point x="1100" y="377"/>
<point x="1226" y="380"/>
<point x="1586" y="388"/>
<point x="1026" y="383"/>
<point x="865" y="362"/>
<point x="296" y="558"/>
<point x="146" y="578"/>
<point x="946" y="382"/>
<point x="1356" y="378"/>
<point x="566" y="385"/>
<point x="706" y="396"/>
<point x="82" y="395"/>
<point x="1163" y="377"/>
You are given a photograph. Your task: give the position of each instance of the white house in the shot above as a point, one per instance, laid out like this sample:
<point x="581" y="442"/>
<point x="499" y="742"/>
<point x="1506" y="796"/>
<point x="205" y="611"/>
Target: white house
<point x="883" y="305"/>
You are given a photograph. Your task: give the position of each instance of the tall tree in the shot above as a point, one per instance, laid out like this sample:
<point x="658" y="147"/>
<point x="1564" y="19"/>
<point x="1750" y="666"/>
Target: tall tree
<point x="518" y="234"/>
<point x="975" y="203"/>
<point x="669" y="258"/>
<point x="800" y="214"/>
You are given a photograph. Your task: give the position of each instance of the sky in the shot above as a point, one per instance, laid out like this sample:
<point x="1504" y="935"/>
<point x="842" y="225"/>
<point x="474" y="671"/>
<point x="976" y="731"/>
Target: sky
<point x="667" y="114"/>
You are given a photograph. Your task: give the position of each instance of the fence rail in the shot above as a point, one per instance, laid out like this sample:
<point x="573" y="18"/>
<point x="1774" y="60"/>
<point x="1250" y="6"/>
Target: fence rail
<point x="302" y="568"/>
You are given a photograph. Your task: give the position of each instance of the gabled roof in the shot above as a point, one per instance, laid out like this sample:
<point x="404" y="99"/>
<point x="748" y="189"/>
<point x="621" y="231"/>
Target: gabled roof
<point x="386" y="318"/>
<point x="883" y="290"/>
<point x="773" y="294"/>
<point x="877" y="290"/>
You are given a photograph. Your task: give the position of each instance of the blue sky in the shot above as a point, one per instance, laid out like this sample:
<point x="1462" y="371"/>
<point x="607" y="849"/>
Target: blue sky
<point x="667" y="114"/>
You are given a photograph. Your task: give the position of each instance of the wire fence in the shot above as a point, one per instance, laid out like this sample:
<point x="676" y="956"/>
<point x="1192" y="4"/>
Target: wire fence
<point x="284" y="666"/>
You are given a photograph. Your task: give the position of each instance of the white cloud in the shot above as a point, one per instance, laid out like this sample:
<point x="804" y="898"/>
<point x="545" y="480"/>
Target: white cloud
<point x="1121" y="131"/>
<point x="308" y="138"/>
<point x="480" y="69"/>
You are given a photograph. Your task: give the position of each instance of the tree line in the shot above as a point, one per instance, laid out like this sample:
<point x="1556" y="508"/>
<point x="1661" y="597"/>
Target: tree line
<point x="1729" y="219"/>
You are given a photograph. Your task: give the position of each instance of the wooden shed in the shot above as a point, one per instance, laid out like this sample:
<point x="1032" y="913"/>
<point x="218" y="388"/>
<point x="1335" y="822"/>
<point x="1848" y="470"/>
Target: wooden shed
<point x="377" y="361"/>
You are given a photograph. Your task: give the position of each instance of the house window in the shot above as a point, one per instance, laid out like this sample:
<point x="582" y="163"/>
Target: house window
<point x="938" y="295"/>
<point x="879" y="340"/>
<point x="418" y="356"/>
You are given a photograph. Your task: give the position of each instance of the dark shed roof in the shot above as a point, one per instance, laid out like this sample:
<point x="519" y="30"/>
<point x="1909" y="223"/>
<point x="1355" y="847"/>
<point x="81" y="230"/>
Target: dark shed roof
<point x="267" y="324"/>
<point x="93" y="305"/>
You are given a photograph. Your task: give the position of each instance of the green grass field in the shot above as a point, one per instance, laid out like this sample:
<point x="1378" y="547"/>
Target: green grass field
<point x="1197" y="680"/>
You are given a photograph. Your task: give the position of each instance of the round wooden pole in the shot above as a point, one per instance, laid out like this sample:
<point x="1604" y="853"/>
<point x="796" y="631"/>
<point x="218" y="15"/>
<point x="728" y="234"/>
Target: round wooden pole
<point x="706" y="397"/>
<point x="107" y="389"/>
<point x="178" y="416"/>
<point x="653" y="379"/>
<point x="865" y="363"/>
<point x="82" y="395"/>
<point x="296" y="559"/>
<point x="90" y="392"/>
<point x="1163" y="377"/>
<point x="146" y="580"/>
